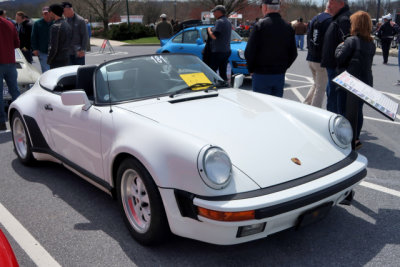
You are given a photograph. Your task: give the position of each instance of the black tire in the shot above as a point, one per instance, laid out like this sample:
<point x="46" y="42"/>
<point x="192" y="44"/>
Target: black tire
<point x="21" y="141"/>
<point x="148" y="225"/>
<point x="165" y="52"/>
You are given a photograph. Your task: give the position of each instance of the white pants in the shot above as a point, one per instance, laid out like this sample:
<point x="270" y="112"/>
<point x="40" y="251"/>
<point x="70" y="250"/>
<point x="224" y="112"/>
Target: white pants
<point x="317" y="91"/>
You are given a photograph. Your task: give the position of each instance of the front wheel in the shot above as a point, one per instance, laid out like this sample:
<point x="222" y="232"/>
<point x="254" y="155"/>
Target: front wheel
<point x="141" y="203"/>
<point x="21" y="141"/>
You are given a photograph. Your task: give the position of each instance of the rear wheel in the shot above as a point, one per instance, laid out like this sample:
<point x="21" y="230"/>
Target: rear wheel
<point x="141" y="203"/>
<point x="21" y="141"/>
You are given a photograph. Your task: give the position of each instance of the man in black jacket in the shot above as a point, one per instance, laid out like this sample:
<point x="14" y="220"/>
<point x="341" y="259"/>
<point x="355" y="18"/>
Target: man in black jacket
<point x="386" y="33"/>
<point x="337" y="30"/>
<point x="60" y="38"/>
<point x="270" y="50"/>
<point x="24" y="27"/>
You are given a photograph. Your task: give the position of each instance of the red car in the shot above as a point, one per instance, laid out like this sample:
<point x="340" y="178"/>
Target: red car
<point x="7" y="257"/>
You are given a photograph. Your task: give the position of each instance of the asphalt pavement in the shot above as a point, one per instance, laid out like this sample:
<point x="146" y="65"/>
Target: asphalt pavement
<point x="64" y="220"/>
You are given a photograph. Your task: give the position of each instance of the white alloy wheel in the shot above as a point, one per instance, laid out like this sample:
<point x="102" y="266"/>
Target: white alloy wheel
<point x="140" y="203"/>
<point x="20" y="138"/>
<point x="21" y="141"/>
<point x="135" y="200"/>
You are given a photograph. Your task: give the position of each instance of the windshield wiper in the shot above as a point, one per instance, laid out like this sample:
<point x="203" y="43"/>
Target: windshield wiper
<point x="191" y="87"/>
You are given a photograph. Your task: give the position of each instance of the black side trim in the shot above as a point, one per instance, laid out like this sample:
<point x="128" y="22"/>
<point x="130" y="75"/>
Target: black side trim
<point x="40" y="145"/>
<point x="306" y="200"/>
<point x="81" y="170"/>
<point x="283" y="186"/>
<point x="38" y="141"/>
<point x="191" y="98"/>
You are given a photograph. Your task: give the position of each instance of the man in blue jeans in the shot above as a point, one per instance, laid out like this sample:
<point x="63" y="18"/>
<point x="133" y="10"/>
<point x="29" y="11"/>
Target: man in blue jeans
<point x="40" y="38"/>
<point x="270" y="51"/>
<point x="8" y="68"/>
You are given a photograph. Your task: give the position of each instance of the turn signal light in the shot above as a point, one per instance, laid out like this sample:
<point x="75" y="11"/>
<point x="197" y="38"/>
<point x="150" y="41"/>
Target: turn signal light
<point x="226" y="216"/>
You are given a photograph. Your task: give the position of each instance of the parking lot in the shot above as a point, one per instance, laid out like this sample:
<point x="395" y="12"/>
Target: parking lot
<point x="52" y="217"/>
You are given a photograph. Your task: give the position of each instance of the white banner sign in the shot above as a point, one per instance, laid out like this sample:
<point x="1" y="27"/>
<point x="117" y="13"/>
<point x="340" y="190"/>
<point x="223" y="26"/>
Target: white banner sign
<point x="371" y="96"/>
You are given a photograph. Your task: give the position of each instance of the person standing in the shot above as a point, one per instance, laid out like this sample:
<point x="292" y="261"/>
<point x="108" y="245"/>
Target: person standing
<point x="24" y="28"/>
<point x="163" y="29"/>
<point x="220" y="45"/>
<point x="270" y="50"/>
<point x="40" y="38"/>
<point x="8" y="69"/>
<point x="386" y="34"/>
<point x="79" y="35"/>
<point x="335" y="34"/>
<point x="300" y="29"/>
<point x="3" y="14"/>
<point x="355" y="56"/>
<point x="60" y="38"/>
<point x="89" y="30"/>
<point x="315" y="40"/>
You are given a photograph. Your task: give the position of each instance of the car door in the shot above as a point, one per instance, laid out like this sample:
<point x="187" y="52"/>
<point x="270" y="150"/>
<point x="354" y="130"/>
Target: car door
<point x="74" y="133"/>
<point x="186" y="42"/>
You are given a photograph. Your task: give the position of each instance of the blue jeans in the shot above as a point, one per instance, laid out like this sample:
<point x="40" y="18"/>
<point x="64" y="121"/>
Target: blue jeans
<point x="299" y="41"/>
<point x="74" y="60"/>
<point x="9" y="73"/>
<point x="270" y="84"/>
<point x="43" y="61"/>
<point x="331" y="102"/>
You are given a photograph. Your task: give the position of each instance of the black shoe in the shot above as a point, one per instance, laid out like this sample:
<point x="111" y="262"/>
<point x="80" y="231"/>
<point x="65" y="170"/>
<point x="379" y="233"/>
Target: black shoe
<point x="3" y="126"/>
<point x="358" y="145"/>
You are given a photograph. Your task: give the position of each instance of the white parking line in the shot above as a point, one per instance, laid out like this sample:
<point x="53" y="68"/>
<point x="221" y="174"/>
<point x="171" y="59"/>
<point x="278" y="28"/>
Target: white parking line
<point x="380" y="188"/>
<point x="26" y="241"/>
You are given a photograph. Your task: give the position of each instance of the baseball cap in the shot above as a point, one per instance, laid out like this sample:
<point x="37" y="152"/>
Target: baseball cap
<point x="45" y="9"/>
<point x="271" y="2"/>
<point x="163" y="16"/>
<point x="66" y="4"/>
<point x="220" y="8"/>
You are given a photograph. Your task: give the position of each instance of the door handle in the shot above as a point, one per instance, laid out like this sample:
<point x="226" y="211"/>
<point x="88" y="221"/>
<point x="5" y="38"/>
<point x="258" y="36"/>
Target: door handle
<point x="48" y="107"/>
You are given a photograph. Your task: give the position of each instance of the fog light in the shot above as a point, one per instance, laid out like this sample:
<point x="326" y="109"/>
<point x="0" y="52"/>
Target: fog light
<point x="250" y="229"/>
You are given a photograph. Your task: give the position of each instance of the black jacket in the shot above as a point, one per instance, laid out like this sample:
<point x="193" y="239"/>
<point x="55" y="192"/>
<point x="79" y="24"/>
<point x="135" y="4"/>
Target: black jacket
<point x="271" y="48"/>
<point x="315" y="36"/>
<point x="346" y="51"/>
<point x="59" y="43"/>
<point x="335" y="34"/>
<point x="386" y="31"/>
<point x="24" y="34"/>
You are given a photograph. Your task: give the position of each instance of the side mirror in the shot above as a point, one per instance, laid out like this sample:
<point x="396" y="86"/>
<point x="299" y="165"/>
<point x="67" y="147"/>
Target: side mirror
<point x="75" y="98"/>
<point x="238" y="81"/>
<point x="199" y="41"/>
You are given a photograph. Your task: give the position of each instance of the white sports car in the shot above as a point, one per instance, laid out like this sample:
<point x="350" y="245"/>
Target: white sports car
<point x="183" y="153"/>
<point x="27" y="76"/>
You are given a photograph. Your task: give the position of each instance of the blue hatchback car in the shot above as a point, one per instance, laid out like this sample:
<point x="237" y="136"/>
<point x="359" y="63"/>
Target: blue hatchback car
<point x="192" y="40"/>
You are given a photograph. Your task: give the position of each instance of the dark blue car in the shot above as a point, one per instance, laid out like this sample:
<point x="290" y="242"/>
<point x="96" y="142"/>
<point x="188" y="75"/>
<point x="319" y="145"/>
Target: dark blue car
<point x="192" y="40"/>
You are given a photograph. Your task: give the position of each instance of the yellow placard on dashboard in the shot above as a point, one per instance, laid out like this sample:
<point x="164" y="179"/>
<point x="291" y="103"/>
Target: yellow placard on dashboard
<point x="193" y="78"/>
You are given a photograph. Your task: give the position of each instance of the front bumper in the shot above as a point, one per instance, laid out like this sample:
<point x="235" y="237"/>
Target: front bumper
<point x="239" y="67"/>
<point x="279" y="210"/>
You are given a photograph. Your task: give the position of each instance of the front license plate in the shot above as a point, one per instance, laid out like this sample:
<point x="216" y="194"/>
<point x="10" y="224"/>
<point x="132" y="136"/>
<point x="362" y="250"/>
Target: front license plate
<point x="314" y="215"/>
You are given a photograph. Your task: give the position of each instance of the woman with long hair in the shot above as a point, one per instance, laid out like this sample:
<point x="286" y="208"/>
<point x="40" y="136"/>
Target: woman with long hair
<point x="355" y="55"/>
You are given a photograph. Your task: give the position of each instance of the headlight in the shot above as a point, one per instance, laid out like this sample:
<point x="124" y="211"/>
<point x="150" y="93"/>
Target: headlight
<point x="341" y="131"/>
<point x="215" y="167"/>
<point x="241" y="53"/>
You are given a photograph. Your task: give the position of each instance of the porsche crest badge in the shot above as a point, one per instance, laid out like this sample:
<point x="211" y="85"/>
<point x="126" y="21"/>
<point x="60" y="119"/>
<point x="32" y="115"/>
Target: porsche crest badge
<point x="296" y="161"/>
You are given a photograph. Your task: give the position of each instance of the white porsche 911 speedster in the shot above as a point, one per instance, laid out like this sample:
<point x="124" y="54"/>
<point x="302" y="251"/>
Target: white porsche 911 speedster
<point x="184" y="153"/>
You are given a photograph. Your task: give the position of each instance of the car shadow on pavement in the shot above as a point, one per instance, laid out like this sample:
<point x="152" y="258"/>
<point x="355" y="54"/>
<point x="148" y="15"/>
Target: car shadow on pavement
<point x="5" y="137"/>
<point x="342" y="238"/>
<point x="379" y="157"/>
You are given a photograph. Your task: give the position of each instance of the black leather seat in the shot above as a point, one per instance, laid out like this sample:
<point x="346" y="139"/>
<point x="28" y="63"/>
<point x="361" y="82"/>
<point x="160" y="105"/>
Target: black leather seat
<point x="84" y="80"/>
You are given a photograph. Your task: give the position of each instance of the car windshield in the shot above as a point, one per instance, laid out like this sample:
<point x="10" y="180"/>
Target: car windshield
<point x="134" y="78"/>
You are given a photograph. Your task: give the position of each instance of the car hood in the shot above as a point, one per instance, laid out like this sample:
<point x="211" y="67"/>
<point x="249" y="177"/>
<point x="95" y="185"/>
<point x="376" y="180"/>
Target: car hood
<point x="258" y="135"/>
<point x="238" y="45"/>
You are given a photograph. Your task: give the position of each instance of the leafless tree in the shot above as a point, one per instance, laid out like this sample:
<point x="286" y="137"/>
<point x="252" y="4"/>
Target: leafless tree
<point x="230" y="5"/>
<point x="104" y="9"/>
